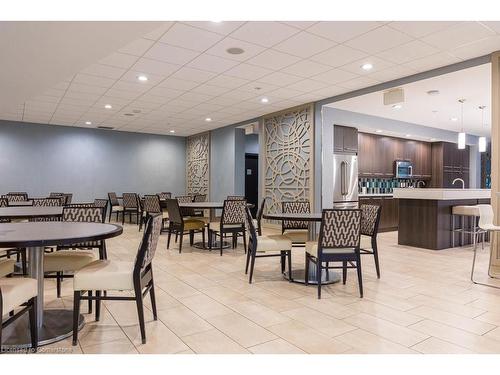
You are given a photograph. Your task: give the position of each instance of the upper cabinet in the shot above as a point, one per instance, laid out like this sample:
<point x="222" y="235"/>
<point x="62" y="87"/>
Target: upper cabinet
<point x="345" y="140"/>
<point x="448" y="164"/>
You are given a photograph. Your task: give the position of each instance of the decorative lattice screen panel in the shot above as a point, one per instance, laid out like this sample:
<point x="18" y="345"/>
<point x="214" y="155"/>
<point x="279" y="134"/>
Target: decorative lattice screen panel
<point x="197" y="164"/>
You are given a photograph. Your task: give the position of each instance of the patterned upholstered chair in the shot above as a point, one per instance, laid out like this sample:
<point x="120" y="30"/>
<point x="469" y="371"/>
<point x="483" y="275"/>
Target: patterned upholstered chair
<point x="180" y="225"/>
<point x="101" y="203"/>
<point x="15" y="197"/>
<point x="23" y="193"/>
<point x="163" y="198"/>
<point x="131" y="205"/>
<point x="67" y="258"/>
<point x="258" y="221"/>
<point x="197" y="212"/>
<point x="151" y="206"/>
<point x="17" y="292"/>
<point x="46" y="202"/>
<point x="114" y="205"/>
<point x="110" y="275"/>
<point x="6" y="263"/>
<point x="265" y="247"/>
<point x="370" y="219"/>
<point x="339" y="240"/>
<point x="235" y="197"/>
<point x="185" y="212"/>
<point x="297" y="231"/>
<point x="232" y="222"/>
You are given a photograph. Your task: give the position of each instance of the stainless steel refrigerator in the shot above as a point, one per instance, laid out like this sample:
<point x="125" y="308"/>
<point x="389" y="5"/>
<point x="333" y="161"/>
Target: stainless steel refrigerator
<point x="345" y="181"/>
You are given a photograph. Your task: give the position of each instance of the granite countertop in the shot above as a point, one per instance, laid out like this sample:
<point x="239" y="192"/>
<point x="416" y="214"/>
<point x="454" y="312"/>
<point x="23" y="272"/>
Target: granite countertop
<point x="442" y="194"/>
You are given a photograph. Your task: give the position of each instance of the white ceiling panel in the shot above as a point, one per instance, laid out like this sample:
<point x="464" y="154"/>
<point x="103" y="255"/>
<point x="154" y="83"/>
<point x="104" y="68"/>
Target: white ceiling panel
<point x="280" y="79"/>
<point x="304" y="45"/>
<point x="379" y="40"/>
<point x="185" y="36"/>
<point x="338" y="56"/>
<point x="265" y="33"/>
<point x="160" y="68"/>
<point x="193" y="75"/>
<point x="306" y="68"/>
<point x="223" y="28"/>
<point x="247" y="71"/>
<point x="433" y="61"/>
<point x="458" y="35"/>
<point x="137" y="47"/>
<point x="170" y="54"/>
<point x="249" y="49"/>
<point x="104" y="71"/>
<point x="273" y="59"/>
<point x="335" y="76"/>
<point x="408" y="51"/>
<point x="212" y="63"/>
<point x="120" y="60"/>
<point x="342" y="31"/>
<point x="227" y="81"/>
<point x="418" y="29"/>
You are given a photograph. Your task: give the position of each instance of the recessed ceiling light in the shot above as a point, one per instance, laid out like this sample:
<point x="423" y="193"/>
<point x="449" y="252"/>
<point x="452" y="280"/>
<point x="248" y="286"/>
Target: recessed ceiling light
<point x="235" y="51"/>
<point x="264" y="100"/>
<point x="433" y="92"/>
<point x="454" y="119"/>
<point x="88" y="122"/>
<point x="142" y="78"/>
<point x="378" y="131"/>
<point x="367" y="66"/>
<point x="108" y="106"/>
<point x="208" y="119"/>
<point x="172" y="131"/>
<point x="397" y="106"/>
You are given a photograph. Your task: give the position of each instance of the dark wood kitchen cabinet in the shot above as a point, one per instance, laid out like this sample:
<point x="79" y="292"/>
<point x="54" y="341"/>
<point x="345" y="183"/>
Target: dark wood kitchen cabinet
<point x="449" y="163"/>
<point x="389" y="217"/>
<point x="345" y="139"/>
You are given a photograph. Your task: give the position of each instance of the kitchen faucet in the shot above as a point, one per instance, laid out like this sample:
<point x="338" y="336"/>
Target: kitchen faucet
<point x="459" y="179"/>
<point x="418" y="183"/>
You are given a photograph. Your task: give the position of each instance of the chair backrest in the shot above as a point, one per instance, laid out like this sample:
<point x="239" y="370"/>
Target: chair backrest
<point x="486" y="215"/>
<point x="184" y="198"/>
<point x="235" y="197"/>
<point x="200" y="198"/>
<point x="68" y="198"/>
<point x="370" y="219"/>
<point x="83" y="214"/>
<point x="149" y="242"/>
<point x="165" y="195"/>
<point x="233" y="212"/>
<point x="18" y="193"/>
<point x="174" y="211"/>
<point x="260" y="212"/>
<point x="47" y="202"/>
<point x="252" y="244"/>
<point x="130" y="200"/>
<point x="152" y="204"/>
<point x="298" y="207"/>
<point x="339" y="229"/>
<point x="55" y="195"/>
<point x="102" y="203"/>
<point x="12" y="197"/>
<point x="4" y="202"/>
<point x="113" y="199"/>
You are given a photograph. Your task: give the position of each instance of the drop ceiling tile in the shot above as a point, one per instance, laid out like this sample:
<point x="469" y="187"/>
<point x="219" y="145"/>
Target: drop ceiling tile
<point x="264" y="33"/>
<point x="119" y="60"/>
<point x="280" y="79"/>
<point x="359" y="83"/>
<point x="194" y="75"/>
<point x="306" y="68"/>
<point x="54" y="92"/>
<point x="230" y="110"/>
<point x="170" y="54"/>
<point x="182" y="103"/>
<point x="312" y="96"/>
<point x="46" y="98"/>
<point x="208" y="107"/>
<point x="223" y="28"/>
<point x="220" y="49"/>
<point x="185" y="36"/>
<point x="153" y="99"/>
<point x="479" y="48"/>
<point x="408" y="51"/>
<point x="79" y="87"/>
<point x="131" y="76"/>
<point x="81" y="95"/>
<point x="378" y="64"/>
<point x="258" y="87"/>
<point x="165" y="92"/>
<point x="432" y="62"/>
<point x="394" y="72"/>
<point x="304" y="45"/>
<point x="379" y="40"/>
<point x="93" y="80"/>
<point x="338" y="56"/>
<point x="79" y="102"/>
<point x="137" y="47"/>
<point x="493" y="25"/>
<point x="239" y="95"/>
<point x="122" y="94"/>
<point x="145" y="105"/>
<point x="115" y="102"/>
<point x="299" y="24"/>
<point x="195" y="97"/>
<point x="104" y="71"/>
<point x="135" y="87"/>
<point x="158" y="32"/>
<point x="225" y="101"/>
<point x="341" y="31"/>
<point x="210" y="89"/>
<point x="247" y="71"/>
<point x="285" y="93"/>
<point x="178" y="84"/>
<point x="458" y="35"/>
<point x="273" y="59"/>
<point x="307" y="85"/>
<point x="418" y="29"/>
<point x="62" y="85"/>
<point x="211" y="63"/>
<point x="228" y="82"/>
<point x="149" y="66"/>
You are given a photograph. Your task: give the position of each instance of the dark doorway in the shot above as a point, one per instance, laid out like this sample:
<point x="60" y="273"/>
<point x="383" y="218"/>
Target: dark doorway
<point x="252" y="180"/>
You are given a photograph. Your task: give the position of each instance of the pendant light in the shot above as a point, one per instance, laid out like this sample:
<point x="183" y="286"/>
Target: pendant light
<point x="461" y="135"/>
<point x="482" y="140"/>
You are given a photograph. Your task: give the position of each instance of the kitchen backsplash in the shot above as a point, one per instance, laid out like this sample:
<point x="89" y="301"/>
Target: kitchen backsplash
<point x="383" y="185"/>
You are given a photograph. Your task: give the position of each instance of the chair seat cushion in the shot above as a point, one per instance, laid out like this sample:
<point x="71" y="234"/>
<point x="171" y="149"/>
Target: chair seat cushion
<point x="193" y="224"/>
<point x="215" y="226"/>
<point x="67" y="260"/>
<point x="6" y="267"/>
<point x="105" y="275"/>
<point x="465" y="210"/>
<point x="273" y="243"/>
<point x="297" y="235"/>
<point x="116" y="208"/>
<point x="165" y="214"/>
<point x="365" y="242"/>
<point x="16" y="291"/>
<point x="312" y="249"/>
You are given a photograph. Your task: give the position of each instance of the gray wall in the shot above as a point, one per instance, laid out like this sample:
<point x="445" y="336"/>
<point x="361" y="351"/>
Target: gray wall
<point x="88" y="162"/>
<point x="252" y="144"/>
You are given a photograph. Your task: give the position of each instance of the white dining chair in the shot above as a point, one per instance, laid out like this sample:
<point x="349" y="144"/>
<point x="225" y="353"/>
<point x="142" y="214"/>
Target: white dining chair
<point x="486" y="223"/>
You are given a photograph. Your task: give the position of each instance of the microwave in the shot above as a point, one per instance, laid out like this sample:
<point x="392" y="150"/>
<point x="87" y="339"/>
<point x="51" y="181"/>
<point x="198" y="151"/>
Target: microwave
<point x="403" y="169"/>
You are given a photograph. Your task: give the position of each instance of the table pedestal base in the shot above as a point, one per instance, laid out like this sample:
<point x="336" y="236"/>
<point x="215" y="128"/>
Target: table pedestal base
<point x="327" y="276"/>
<point x="57" y="325"/>
<point x="215" y="245"/>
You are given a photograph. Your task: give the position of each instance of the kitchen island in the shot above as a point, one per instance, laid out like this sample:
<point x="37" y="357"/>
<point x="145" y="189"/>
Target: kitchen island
<point x="425" y="215"/>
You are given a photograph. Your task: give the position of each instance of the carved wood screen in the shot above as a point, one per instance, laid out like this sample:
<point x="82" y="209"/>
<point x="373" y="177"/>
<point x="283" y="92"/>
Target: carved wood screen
<point x="288" y="157"/>
<point x="197" y="164"/>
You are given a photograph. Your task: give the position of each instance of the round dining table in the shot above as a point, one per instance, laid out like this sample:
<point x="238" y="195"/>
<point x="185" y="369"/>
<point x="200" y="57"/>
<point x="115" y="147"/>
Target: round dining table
<point x="29" y="212"/>
<point x="298" y="276"/>
<point x="53" y="324"/>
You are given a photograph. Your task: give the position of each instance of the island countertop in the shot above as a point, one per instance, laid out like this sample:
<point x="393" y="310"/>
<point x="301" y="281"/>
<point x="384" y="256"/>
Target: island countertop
<point x="441" y="194"/>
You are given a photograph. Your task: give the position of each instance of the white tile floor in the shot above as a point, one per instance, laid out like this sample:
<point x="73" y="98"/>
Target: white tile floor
<point x="423" y="303"/>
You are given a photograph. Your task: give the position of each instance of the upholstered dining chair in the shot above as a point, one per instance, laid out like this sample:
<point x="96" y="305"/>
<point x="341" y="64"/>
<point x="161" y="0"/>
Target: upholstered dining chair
<point x="23" y="193"/>
<point x="260" y="212"/>
<point x="232" y="222"/>
<point x="18" y="292"/>
<point x="235" y="197"/>
<point x="165" y="195"/>
<point x="266" y="246"/>
<point x="110" y="275"/>
<point x="339" y="240"/>
<point x="152" y="205"/>
<point x="114" y="206"/>
<point x="296" y="230"/>
<point x="6" y="263"/>
<point x="15" y="197"/>
<point x="131" y="205"/>
<point x="180" y="225"/>
<point x="370" y="219"/>
<point x="186" y="212"/>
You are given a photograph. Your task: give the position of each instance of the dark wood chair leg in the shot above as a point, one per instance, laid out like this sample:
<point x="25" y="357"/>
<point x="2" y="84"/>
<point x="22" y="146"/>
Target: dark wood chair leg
<point x="344" y="272"/>
<point x="203" y="237"/>
<point x="169" y="235"/>
<point x="153" y="300"/>
<point x="290" y="277"/>
<point x="58" y="284"/>
<point x="90" y="301"/>
<point x="76" y="315"/>
<point x="221" y="242"/>
<point x="33" y="327"/>
<point x="375" y="255"/>
<point x="282" y="261"/>
<point x="306" y="270"/>
<point x="244" y="240"/>
<point x="360" y="276"/>
<point x="98" y="305"/>
<point x="180" y="242"/>
<point x="140" y="313"/>
<point x="24" y="266"/>
<point x="252" y="266"/>
<point x="191" y="237"/>
<point x="247" y="262"/>
<point x="318" y="277"/>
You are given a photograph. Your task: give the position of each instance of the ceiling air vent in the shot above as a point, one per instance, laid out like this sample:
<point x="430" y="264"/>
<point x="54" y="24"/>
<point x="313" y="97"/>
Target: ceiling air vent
<point x="394" y="96"/>
<point x="105" y="127"/>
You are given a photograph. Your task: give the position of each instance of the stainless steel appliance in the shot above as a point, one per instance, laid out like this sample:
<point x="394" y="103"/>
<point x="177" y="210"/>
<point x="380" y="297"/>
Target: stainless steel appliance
<point x="345" y="181"/>
<point x="403" y="169"/>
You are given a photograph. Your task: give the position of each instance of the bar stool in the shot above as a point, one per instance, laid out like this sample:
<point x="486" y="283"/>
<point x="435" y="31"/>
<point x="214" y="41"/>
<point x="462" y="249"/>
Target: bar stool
<point x="486" y="224"/>
<point x="466" y="211"/>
